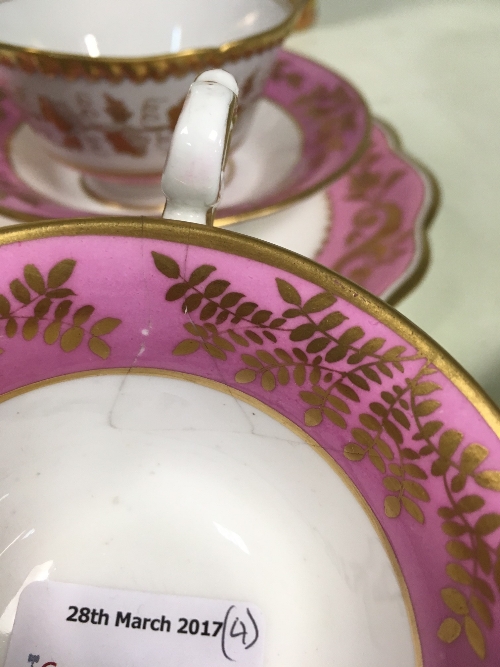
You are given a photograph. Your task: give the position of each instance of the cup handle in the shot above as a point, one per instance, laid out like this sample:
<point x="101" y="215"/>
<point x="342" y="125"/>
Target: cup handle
<point x="192" y="178"/>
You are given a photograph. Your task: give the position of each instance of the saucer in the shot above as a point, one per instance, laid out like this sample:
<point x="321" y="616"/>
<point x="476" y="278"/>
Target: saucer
<point x="238" y="423"/>
<point x="310" y="128"/>
<point x="370" y="225"/>
<point x="387" y="188"/>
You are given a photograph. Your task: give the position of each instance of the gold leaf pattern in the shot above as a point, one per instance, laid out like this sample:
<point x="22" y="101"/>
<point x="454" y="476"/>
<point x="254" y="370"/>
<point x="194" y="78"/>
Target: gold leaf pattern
<point x="455" y="601"/>
<point x="166" y="265"/>
<point x="392" y="506"/>
<point x="245" y="376"/>
<point x="475" y="637"/>
<point x="214" y="351"/>
<point x="104" y="326"/>
<point x="313" y="417"/>
<point x="52" y="332"/>
<point x="30" y="328"/>
<point x="449" y="630"/>
<point x="4" y="306"/>
<point x="459" y="574"/>
<point x="468" y="504"/>
<point x="489" y="479"/>
<point x="288" y="292"/>
<point x="425" y="388"/>
<point x="187" y="346"/>
<point x="71" y="339"/>
<point x="11" y="327"/>
<point x="268" y="382"/>
<point x="449" y="442"/>
<point x="20" y="292"/>
<point x="376" y="221"/>
<point x="459" y="550"/>
<point x="82" y="315"/>
<point x="34" y="279"/>
<point x="334" y="417"/>
<point x="487" y="523"/>
<point x="319" y="302"/>
<point x="471" y="457"/>
<point x="99" y="347"/>
<point x="482" y="610"/>
<point x="128" y="141"/>
<point x="60" y="273"/>
<point x="413" y="509"/>
<point x="330" y="372"/>
<point x="392" y="484"/>
<point x="425" y="408"/>
<point x="116" y="109"/>
<point x="44" y="307"/>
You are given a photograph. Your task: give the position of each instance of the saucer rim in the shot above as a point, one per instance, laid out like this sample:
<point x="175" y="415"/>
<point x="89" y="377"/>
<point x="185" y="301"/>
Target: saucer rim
<point x="230" y="242"/>
<point x="265" y="211"/>
<point x="422" y="230"/>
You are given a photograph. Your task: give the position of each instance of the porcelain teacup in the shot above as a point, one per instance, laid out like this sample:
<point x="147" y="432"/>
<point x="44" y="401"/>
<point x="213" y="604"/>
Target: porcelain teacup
<point x="102" y="90"/>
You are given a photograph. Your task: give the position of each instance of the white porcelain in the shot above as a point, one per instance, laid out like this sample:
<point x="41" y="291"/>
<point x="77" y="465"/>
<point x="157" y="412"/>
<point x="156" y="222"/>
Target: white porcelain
<point x="131" y="29"/>
<point x="103" y="88"/>
<point x="192" y="178"/>
<point x="161" y="485"/>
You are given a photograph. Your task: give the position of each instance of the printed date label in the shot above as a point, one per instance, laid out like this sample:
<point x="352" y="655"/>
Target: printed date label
<point x="61" y="625"/>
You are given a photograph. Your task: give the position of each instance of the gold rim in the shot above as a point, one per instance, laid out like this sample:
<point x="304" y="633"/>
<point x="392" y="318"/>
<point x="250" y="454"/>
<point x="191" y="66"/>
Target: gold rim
<point x="267" y="253"/>
<point x="433" y="205"/>
<point x="237" y="394"/>
<point x="74" y="66"/>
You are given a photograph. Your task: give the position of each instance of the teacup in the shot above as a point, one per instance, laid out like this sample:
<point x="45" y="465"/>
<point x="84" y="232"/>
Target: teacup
<point x="103" y="89"/>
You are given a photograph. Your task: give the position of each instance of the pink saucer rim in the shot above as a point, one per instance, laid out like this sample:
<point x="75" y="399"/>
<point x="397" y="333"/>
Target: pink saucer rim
<point x="427" y="216"/>
<point x="334" y="175"/>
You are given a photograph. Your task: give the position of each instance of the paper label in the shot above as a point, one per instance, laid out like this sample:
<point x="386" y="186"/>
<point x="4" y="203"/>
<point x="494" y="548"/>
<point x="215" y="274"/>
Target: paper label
<point x="67" y="625"/>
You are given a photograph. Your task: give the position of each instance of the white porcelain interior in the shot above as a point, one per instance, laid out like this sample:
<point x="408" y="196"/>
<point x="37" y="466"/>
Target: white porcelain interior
<point x="157" y="484"/>
<point x="256" y="168"/>
<point x="129" y="29"/>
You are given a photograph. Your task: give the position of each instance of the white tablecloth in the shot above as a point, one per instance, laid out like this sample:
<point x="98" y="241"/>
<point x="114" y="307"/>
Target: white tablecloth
<point x="433" y="71"/>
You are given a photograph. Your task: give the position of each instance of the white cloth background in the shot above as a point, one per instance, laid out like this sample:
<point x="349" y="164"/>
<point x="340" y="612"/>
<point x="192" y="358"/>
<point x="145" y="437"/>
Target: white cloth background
<point x="433" y="70"/>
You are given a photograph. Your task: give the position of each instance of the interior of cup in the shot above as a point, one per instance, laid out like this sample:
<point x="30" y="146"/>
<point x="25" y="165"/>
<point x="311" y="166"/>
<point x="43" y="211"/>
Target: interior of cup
<point x="153" y="27"/>
<point x="241" y="423"/>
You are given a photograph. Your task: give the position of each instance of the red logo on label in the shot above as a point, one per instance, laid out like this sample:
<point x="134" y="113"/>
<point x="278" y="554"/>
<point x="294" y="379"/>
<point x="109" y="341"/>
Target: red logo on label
<point x="34" y="659"/>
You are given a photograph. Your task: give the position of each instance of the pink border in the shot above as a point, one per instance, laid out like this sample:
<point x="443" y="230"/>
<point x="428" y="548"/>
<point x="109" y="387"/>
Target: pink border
<point x="152" y="294"/>
<point x="379" y="212"/>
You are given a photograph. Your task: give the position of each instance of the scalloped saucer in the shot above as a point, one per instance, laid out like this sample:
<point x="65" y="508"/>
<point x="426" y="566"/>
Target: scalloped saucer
<point x="370" y="225"/>
<point x="239" y="423"/>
